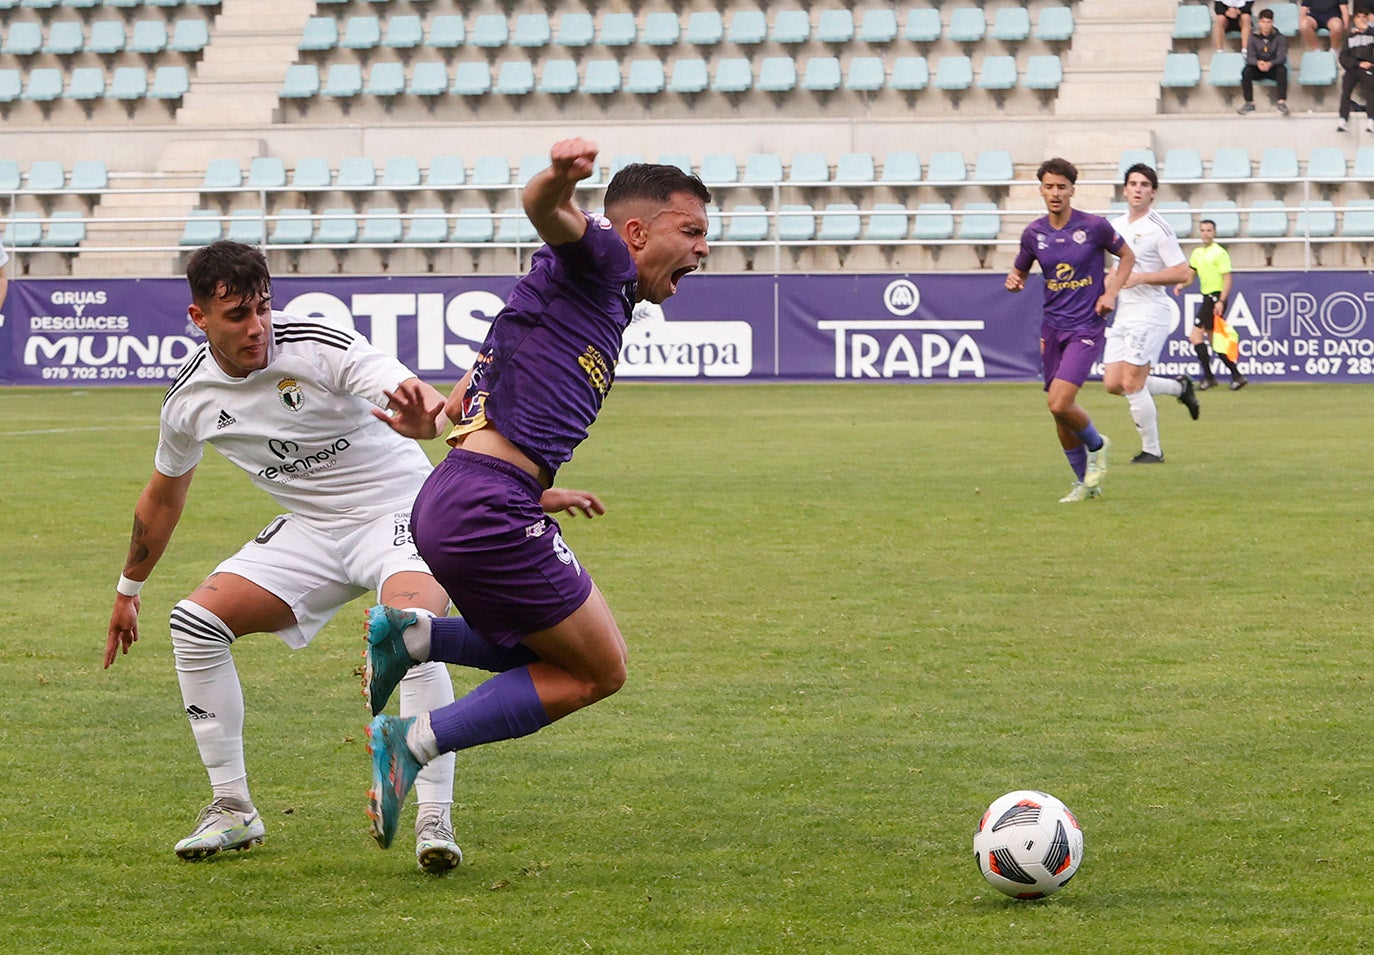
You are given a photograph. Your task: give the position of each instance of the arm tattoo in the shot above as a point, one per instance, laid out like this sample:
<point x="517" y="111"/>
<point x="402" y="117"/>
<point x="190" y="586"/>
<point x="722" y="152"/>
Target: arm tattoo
<point x="138" y="550"/>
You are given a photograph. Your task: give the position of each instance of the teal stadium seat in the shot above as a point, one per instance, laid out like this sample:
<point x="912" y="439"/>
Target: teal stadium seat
<point x="428" y="226"/>
<point x="718" y="169"/>
<point x="1287" y="19"/>
<point x="762" y="169"/>
<point x="922" y="25"/>
<point x="575" y="30"/>
<point x="202" y="227"/>
<point x="661" y="28"/>
<point x="748" y="27"/>
<point x="148" y="37"/>
<point x="23" y="231"/>
<point x="621" y="160"/>
<point x="532" y="31"/>
<point x="65" y="37"/>
<point x="89" y="176"/>
<point x="267" y="172"/>
<point x="489" y="31"/>
<point x="428" y="78"/>
<point x="967" y="25"/>
<point x="733" y="75"/>
<point x="1318" y="68"/>
<point x="1130" y="157"/>
<point x="790" y="28"/>
<point x="934" y="222"/>
<point x="356" y="172"/>
<point x="169" y="83"/>
<point x="318" y="34"/>
<point x="381" y="225"/>
<point x="947" y="167"/>
<point x="645" y="77"/>
<point x="11" y="179"/>
<point x="247" y="226"/>
<point x="867" y="74"/>
<point x="601" y="77"/>
<point x="129" y="83"/>
<point x="446" y="32"/>
<point x="221" y="174"/>
<point x="998" y="73"/>
<point x="1044" y="71"/>
<point x="704" y="28"/>
<point x="835" y="26"/>
<point x="1011" y="25"/>
<point x="747" y="223"/>
<point x="311" y="173"/>
<point x="840" y="223"/>
<point x="1175" y="212"/>
<point x="361" y="32"/>
<point x="47" y="175"/>
<point x="777" y="74"/>
<point x="809" y="169"/>
<point x="910" y="74"/>
<point x="514" y="78"/>
<point x="338" y="226"/>
<point x="190" y="35"/>
<point x="1316" y="219"/>
<point x="822" y="74"/>
<point x="11" y="87"/>
<point x="514" y="228"/>
<point x="1181" y="164"/>
<point x="888" y="223"/>
<point x="472" y="226"/>
<point x="291" y="227"/>
<point x="618" y="29"/>
<point x="854" y="168"/>
<point x="1224" y="70"/>
<point x="404" y="32"/>
<point x="1267" y="220"/>
<point x="1326" y="164"/>
<point x="1231" y="164"/>
<point x="1358" y="219"/>
<point x="680" y="160"/>
<point x="445" y="172"/>
<point x="1182" y="71"/>
<point x="689" y="75"/>
<point x="86" y="84"/>
<point x="385" y="79"/>
<point x="796" y="222"/>
<point x="953" y="73"/>
<point x="559" y="77"/>
<point x="980" y="222"/>
<point x="471" y="78"/>
<point x="902" y="167"/>
<point x="994" y="167"/>
<point x="302" y="81"/>
<point x="491" y="171"/>
<point x="1054" y="25"/>
<point x="878" y="26"/>
<point x="22" y="39"/>
<point x="107" y="38"/>
<point x="1278" y="162"/>
<point x="343" y="80"/>
<point x="1192" y="21"/>
<point x="66" y="230"/>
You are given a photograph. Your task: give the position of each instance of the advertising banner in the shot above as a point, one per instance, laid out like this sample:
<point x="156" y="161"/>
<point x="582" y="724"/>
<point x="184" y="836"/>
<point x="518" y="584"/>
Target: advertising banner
<point x="1293" y="326"/>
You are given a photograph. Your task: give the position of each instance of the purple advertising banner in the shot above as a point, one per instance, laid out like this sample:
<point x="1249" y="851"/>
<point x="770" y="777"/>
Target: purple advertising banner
<point x="1293" y="326"/>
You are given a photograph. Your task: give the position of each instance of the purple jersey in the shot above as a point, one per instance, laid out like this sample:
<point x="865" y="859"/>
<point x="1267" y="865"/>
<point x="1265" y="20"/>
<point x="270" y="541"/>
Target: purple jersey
<point x="1072" y="261"/>
<point x="549" y="358"/>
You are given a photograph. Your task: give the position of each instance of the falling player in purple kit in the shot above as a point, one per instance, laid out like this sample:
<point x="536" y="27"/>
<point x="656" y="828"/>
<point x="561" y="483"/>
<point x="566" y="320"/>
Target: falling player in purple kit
<point x="1070" y="246"/>
<point x="531" y="613"/>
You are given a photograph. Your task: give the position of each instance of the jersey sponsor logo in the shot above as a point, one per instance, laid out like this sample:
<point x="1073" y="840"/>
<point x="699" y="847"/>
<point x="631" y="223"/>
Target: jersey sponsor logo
<point x="564" y="553"/>
<point x="296" y="465"/>
<point x="400" y="532"/>
<point x="537" y="529"/>
<point x="289" y="390"/>
<point x="599" y="374"/>
<point x="1066" y="279"/>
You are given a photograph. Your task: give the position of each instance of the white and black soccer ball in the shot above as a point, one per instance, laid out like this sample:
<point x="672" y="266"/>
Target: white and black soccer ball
<point x="1028" y="844"/>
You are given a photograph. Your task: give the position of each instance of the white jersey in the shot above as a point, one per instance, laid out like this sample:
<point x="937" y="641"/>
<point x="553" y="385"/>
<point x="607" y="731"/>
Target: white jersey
<point x="1156" y="248"/>
<point x="302" y="427"/>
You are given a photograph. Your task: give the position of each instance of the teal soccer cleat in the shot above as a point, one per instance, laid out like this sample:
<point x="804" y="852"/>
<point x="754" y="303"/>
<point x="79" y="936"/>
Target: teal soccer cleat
<point x="394" y="768"/>
<point x="385" y="658"/>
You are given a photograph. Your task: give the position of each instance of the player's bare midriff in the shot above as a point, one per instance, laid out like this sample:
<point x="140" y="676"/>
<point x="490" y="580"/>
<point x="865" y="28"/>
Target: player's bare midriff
<point x="491" y="442"/>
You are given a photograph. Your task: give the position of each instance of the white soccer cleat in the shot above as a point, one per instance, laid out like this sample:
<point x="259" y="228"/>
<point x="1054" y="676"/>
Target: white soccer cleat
<point x="1097" y="464"/>
<point x="224" y="824"/>
<point x="1080" y="492"/>
<point x="435" y="850"/>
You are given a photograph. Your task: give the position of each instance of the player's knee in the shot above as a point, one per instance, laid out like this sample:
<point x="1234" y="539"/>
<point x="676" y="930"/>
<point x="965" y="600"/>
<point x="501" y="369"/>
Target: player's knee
<point x="199" y="638"/>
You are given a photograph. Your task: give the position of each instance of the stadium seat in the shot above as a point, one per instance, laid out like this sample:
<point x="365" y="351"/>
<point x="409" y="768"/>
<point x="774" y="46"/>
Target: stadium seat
<point x="762" y="169"/>
<point x="878" y="26"/>
<point x="311" y="172"/>
<point x="1266" y="220"/>
<point x="980" y="222"/>
<point x="1182" y="71"/>
<point x="888" y="222"/>
<point x="967" y="25"/>
<point x="934" y="222"/>
<point x="23" y="231"/>
<point x="67" y="230"/>
<point x="689" y="76"/>
<point x="381" y="225"/>
<point x="428" y="226"/>
<point x="777" y="74"/>
<point x="11" y="179"/>
<point x="130" y="83"/>
<point x="445" y="172"/>
<point x="1326" y="164"/>
<point x="1318" y="68"/>
<point x="854" y="168"/>
<point x="1044" y="71"/>
<point x="190" y="35"/>
<point x="385" y="79"/>
<point x="867" y="74"/>
<point x="471" y="78"/>
<point x="680" y="160"/>
<point x="704" y="28"/>
<point x="202" y="227"/>
<point x="428" y="78"/>
<point x="489" y="31"/>
<point x="1363" y="166"/>
<point x="1011" y="25"/>
<point x="338" y="226"/>
<point x="356" y="172"/>
<point x="44" y="85"/>
<point x="446" y="32"/>
<point x="361" y="33"/>
<point x="1130" y="157"/>
<point x="1054" y="25"/>
<point x="1192" y="21"/>
<point x="1278" y="162"/>
<point x="1231" y="164"/>
<point x="1224" y="70"/>
<point x="901" y="166"/>
<point x="618" y="29"/>
<point x="835" y="26"/>
<point x="953" y="73"/>
<point x="748" y="27"/>
<point x="513" y="227"/>
<point x="491" y="171"/>
<point x="472" y="226"/>
<point x="89" y="176"/>
<point x="747" y="223"/>
<point x="46" y="175"/>
<point x="559" y="77"/>
<point x="247" y="226"/>
<point x="796" y="222"/>
<point x="1286" y="18"/>
<point x="514" y="78"/>
<point x="107" y="37"/>
<point x="621" y="160"/>
<point x="661" y="28"/>
<point x="400" y="173"/>
<point x="169" y="83"/>
<point x="994" y="167"/>
<point x="1358" y="219"/>
<point x="790" y="27"/>
<point x="998" y="73"/>
<point x="267" y="172"/>
<point x="12" y="87"/>
<point x="910" y="74"/>
<point x="575" y="30"/>
<point x="645" y="77"/>
<point x="532" y="31"/>
<point x="718" y="169"/>
<point x="1175" y="212"/>
<point x="22" y="38"/>
<point x="922" y="25"/>
<point x="148" y="37"/>
<point x="221" y="174"/>
<point x="1316" y="219"/>
<point x="404" y="32"/>
<point x="822" y="74"/>
<point x="840" y="223"/>
<point x="86" y="84"/>
<point x="343" y="80"/>
<point x="809" y="168"/>
<point x="1180" y="165"/>
<point x="733" y="75"/>
<point x="65" y="37"/>
<point x="291" y="227"/>
<point x="302" y="81"/>
<point x="601" y="77"/>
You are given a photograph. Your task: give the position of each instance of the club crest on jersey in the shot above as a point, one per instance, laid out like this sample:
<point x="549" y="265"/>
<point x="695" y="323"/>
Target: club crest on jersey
<point x="290" y="393"/>
<point x="1080" y="236"/>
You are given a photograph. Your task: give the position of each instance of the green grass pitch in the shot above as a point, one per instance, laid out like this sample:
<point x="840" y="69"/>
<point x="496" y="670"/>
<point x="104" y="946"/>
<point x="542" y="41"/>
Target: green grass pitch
<point x="856" y="614"/>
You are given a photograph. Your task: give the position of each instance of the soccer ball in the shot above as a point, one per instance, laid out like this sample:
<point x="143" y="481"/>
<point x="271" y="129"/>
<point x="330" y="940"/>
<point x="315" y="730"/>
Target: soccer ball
<point x="1028" y="844"/>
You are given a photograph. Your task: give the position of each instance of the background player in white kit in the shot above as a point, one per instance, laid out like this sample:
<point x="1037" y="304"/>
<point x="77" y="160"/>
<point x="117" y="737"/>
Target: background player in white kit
<point x="297" y="405"/>
<point x="1145" y="314"/>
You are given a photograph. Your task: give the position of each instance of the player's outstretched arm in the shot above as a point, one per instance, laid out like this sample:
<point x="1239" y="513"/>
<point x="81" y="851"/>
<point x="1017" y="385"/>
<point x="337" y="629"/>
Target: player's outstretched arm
<point x="156" y="515"/>
<point x="548" y="198"/>
<point x="557" y="499"/>
<point x="414" y="410"/>
<point x="1116" y="280"/>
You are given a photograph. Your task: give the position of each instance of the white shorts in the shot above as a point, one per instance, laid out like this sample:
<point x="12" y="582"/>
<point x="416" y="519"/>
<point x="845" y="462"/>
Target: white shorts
<point x="1135" y="343"/>
<point x="316" y="571"/>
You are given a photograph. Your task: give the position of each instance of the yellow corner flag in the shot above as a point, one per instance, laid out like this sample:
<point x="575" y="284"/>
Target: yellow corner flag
<point x="1225" y="340"/>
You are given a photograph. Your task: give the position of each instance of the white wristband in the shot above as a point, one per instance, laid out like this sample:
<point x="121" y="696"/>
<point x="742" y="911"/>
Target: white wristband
<point x="127" y="587"/>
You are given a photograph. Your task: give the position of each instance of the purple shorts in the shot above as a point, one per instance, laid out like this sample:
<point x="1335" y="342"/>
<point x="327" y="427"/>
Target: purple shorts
<point x="1066" y="355"/>
<point x="478" y="523"/>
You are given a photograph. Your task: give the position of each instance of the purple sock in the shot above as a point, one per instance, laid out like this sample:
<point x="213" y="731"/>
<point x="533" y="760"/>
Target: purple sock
<point x="451" y="640"/>
<point x="1078" y="460"/>
<point x="1090" y="438"/>
<point x="505" y="707"/>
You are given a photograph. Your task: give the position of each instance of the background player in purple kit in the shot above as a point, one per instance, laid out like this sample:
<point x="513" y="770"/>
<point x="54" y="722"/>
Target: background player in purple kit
<point x="1070" y="246"/>
<point x="531" y="611"/>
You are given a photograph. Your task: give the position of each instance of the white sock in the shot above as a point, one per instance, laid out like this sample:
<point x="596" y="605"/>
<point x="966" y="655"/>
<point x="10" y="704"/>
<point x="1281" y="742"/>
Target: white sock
<point x="427" y="687"/>
<point x="425" y="745"/>
<point x="416" y="636"/>
<point x="1157" y="385"/>
<point x="1146" y="418"/>
<point x="211" y="693"/>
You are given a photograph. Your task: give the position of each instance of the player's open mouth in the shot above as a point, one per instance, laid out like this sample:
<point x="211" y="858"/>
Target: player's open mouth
<point x="680" y="274"/>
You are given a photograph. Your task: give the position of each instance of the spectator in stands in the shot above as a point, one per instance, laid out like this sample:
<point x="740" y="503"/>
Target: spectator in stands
<point x="1071" y="247"/>
<point x="1266" y="58"/>
<point x="1323" y="14"/>
<point x="4" y="279"/>
<point x="1357" y="56"/>
<point x="1231" y="16"/>
<point x="1211" y="265"/>
<point x="1144" y="315"/>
